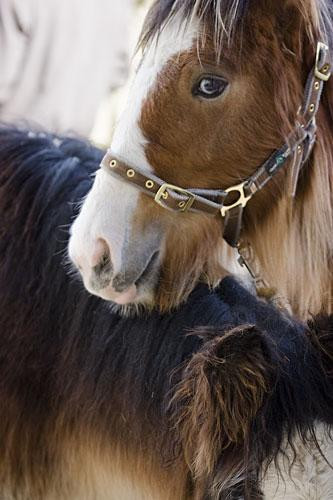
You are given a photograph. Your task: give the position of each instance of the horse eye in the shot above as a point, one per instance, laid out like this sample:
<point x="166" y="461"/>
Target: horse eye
<point x="210" y="87"/>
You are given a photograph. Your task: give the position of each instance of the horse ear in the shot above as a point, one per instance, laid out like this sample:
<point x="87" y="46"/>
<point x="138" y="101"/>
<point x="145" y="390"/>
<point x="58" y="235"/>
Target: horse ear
<point x="221" y="390"/>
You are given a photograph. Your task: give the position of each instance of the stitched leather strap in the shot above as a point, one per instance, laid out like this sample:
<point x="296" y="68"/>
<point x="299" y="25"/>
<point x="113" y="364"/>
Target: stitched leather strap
<point x="166" y="195"/>
<point x="233" y="225"/>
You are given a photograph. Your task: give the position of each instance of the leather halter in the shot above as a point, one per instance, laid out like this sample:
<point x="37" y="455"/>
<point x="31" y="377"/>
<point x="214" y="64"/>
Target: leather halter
<point x="215" y="202"/>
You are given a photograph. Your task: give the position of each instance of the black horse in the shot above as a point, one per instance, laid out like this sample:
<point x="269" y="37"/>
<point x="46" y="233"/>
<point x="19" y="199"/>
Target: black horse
<point x="193" y="404"/>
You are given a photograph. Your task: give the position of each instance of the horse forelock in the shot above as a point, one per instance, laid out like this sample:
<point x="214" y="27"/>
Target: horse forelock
<point x="225" y="15"/>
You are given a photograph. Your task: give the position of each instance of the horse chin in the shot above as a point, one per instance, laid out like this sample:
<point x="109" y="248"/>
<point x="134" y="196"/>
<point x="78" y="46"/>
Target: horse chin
<point x="144" y="301"/>
<point x="124" y="298"/>
<point x="138" y="297"/>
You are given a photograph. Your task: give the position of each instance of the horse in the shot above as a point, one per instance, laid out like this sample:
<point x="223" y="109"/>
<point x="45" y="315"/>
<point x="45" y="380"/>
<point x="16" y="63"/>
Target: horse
<point x="227" y="132"/>
<point x="203" y="402"/>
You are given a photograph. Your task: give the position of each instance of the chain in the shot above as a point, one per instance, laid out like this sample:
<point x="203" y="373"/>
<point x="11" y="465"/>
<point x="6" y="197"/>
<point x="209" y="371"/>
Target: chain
<point x="264" y="290"/>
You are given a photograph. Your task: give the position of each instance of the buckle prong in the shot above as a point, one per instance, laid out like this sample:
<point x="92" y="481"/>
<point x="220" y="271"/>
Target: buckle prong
<point x="241" y="201"/>
<point x="164" y="189"/>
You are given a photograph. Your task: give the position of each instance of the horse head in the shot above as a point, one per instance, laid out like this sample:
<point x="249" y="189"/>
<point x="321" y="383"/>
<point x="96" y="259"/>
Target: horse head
<point x="218" y="89"/>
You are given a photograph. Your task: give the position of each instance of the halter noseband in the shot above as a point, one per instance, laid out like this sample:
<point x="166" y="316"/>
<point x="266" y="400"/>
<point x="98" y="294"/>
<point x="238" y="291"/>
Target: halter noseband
<point x="212" y="202"/>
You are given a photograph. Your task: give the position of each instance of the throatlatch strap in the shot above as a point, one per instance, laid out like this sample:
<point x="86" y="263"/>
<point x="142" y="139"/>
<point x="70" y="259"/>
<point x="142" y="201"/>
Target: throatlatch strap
<point x="233" y="225"/>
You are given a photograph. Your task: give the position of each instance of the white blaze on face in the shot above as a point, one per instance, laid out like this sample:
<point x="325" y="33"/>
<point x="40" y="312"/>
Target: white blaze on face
<point x="128" y="141"/>
<point x="109" y="207"/>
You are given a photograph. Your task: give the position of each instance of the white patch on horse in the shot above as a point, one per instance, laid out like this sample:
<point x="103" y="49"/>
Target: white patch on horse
<point x="128" y="141"/>
<point x="110" y="205"/>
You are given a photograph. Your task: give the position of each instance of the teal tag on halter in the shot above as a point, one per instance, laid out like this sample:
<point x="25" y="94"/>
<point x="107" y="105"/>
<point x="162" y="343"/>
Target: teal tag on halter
<point x="280" y="160"/>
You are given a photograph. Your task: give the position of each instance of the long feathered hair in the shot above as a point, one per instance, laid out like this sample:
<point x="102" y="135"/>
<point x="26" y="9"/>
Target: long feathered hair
<point x="297" y="256"/>
<point x="198" y="401"/>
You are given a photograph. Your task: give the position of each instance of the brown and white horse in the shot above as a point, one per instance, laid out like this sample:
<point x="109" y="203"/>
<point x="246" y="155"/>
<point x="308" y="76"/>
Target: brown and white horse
<point x="218" y="89"/>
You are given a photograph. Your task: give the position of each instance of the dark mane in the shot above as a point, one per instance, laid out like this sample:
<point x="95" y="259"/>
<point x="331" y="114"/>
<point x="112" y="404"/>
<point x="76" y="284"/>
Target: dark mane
<point x="73" y="372"/>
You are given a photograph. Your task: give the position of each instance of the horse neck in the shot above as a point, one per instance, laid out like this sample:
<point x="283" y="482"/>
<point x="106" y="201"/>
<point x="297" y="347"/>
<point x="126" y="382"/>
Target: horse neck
<point x="294" y="245"/>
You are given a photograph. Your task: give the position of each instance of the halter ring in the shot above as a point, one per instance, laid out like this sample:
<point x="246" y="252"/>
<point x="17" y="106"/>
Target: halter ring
<point x="241" y="201"/>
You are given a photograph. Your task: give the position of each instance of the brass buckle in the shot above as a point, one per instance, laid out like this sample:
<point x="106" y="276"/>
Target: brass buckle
<point x="162" y="194"/>
<point x="242" y="200"/>
<point x="324" y="76"/>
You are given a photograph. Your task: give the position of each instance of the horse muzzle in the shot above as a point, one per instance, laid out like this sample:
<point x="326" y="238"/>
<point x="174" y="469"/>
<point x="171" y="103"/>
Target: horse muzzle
<point x="125" y="280"/>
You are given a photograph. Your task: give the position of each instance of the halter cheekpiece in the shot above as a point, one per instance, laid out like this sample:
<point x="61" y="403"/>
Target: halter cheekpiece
<point x="298" y="148"/>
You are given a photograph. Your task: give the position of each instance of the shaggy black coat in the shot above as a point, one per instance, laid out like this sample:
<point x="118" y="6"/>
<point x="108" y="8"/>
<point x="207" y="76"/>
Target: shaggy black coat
<point x="218" y="383"/>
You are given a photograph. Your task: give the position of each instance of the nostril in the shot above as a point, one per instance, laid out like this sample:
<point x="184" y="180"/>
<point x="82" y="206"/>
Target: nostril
<point x="103" y="268"/>
<point x="100" y="253"/>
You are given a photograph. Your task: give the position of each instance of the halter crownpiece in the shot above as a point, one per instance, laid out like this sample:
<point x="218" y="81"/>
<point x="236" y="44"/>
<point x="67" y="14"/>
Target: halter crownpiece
<point x="298" y="147"/>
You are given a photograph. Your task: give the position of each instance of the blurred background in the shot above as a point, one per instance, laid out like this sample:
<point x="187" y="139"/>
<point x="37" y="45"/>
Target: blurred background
<point x="65" y="64"/>
<point x="110" y="108"/>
